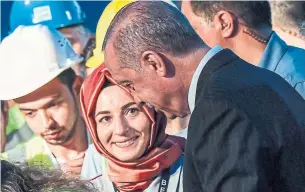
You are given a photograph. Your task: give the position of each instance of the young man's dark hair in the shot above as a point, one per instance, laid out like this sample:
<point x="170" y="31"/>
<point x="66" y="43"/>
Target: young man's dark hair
<point x="87" y="54"/>
<point x="254" y="13"/>
<point x="68" y="77"/>
<point x="88" y="50"/>
<point x="23" y="178"/>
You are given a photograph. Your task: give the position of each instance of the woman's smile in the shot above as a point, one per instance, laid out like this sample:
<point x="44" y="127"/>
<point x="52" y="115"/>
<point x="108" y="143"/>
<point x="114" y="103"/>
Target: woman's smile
<point x="124" y="143"/>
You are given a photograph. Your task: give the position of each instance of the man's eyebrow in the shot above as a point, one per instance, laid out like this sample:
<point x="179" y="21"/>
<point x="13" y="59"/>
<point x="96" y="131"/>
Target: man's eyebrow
<point x="54" y="98"/>
<point x="26" y="109"/>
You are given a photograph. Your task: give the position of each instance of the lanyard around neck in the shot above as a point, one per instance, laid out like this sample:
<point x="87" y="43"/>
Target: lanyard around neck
<point x="163" y="182"/>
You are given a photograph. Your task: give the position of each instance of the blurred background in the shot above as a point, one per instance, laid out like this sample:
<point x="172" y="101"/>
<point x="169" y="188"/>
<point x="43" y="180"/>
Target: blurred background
<point x="93" y="10"/>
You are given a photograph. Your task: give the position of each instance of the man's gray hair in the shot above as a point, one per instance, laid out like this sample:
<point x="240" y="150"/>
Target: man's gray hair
<point x="150" y="25"/>
<point x="289" y="15"/>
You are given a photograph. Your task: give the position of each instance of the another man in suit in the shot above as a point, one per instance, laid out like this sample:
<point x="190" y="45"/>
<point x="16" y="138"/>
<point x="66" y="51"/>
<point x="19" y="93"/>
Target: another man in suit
<point x="245" y="28"/>
<point x="246" y="131"/>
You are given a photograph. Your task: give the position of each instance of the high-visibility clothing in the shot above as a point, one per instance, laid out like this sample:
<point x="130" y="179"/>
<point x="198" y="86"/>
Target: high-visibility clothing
<point x="34" y="152"/>
<point x="17" y="130"/>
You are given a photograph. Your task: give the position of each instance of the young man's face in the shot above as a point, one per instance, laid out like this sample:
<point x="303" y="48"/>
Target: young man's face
<point x="51" y="112"/>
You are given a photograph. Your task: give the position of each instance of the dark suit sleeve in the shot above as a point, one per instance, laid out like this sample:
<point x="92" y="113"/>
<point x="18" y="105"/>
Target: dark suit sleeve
<point x="223" y="151"/>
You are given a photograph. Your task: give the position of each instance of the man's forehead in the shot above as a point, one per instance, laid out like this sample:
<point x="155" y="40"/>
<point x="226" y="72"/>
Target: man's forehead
<point x="119" y="76"/>
<point x="111" y="58"/>
<point x="27" y="103"/>
<point x="53" y="89"/>
<point x="109" y="50"/>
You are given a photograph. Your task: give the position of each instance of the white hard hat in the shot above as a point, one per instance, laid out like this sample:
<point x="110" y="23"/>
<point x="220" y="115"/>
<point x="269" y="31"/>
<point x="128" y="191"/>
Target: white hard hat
<point x="32" y="56"/>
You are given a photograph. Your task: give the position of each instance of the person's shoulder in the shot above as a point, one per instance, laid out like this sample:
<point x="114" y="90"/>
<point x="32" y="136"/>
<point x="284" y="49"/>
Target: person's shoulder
<point x="92" y="152"/>
<point x="292" y="50"/>
<point x="233" y="79"/>
<point x="22" y="150"/>
<point x="95" y="169"/>
<point x="292" y="65"/>
<point x="229" y="79"/>
<point x="15" y="154"/>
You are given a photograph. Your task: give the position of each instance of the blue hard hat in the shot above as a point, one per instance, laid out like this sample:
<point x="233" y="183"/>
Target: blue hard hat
<point x="56" y="14"/>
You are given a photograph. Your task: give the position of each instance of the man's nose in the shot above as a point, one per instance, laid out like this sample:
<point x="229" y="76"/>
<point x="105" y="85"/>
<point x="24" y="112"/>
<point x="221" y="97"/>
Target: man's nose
<point x="47" y="120"/>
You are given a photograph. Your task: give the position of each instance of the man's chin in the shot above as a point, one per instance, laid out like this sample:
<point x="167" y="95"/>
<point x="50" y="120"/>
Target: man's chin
<point x="59" y="141"/>
<point x="55" y="142"/>
<point x="173" y="116"/>
<point x="170" y="116"/>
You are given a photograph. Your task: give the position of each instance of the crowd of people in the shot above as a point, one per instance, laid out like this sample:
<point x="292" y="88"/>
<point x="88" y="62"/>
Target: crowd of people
<point x="167" y="96"/>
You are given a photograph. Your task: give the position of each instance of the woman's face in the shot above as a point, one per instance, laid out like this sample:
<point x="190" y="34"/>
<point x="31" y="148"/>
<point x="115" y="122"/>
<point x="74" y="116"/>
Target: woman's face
<point x="123" y="127"/>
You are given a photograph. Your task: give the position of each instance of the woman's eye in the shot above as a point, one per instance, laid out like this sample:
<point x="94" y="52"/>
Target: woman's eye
<point x="105" y="120"/>
<point x="132" y="111"/>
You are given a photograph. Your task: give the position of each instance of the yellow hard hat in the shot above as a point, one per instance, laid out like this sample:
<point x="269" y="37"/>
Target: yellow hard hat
<point x="107" y="16"/>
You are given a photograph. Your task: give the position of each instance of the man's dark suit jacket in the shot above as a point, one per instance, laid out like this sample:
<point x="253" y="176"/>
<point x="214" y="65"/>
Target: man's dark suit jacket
<point x="246" y="133"/>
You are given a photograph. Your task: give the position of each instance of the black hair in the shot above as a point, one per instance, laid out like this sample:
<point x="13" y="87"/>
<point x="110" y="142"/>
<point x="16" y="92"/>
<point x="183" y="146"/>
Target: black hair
<point x="68" y="77"/>
<point x="23" y="178"/>
<point x="88" y="50"/>
<point x="254" y="13"/>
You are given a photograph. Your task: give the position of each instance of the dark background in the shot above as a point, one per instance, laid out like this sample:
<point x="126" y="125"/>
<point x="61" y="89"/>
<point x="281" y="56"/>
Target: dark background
<point x="93" y="10"/>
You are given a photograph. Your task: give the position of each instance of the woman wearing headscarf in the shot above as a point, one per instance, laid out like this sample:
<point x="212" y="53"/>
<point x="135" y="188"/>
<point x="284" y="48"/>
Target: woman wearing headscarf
<point x="130" y="150"/>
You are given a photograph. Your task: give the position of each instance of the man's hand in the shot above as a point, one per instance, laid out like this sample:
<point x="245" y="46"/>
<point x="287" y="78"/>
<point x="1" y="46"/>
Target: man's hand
<point x="74" y="166"/>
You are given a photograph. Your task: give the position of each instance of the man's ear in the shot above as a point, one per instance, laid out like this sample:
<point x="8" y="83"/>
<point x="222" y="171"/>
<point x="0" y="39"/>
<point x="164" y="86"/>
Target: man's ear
<point x="225" y="23"/>
<point x="152" y="61"/>
<point x="77" y="85"/>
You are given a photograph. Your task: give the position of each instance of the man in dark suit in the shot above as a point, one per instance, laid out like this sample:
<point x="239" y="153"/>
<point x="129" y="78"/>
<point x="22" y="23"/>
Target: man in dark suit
<point x="246" y="131"/>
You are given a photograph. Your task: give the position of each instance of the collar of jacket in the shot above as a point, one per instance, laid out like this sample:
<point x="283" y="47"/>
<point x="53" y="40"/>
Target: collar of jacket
<point x="274" y="51"/>
<point x="219" y="60"/>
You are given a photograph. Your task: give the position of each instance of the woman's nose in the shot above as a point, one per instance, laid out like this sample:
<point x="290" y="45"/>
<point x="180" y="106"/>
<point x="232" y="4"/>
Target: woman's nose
<point x="121" y="126"/>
